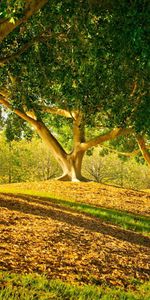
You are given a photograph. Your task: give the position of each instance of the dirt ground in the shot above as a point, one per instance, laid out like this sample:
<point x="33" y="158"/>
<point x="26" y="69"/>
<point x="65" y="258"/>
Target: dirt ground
<point x="40" y="236"/>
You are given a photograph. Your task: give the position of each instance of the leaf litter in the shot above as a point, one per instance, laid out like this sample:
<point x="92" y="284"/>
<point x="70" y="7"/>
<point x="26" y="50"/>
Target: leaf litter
<point x="62" y="243"/>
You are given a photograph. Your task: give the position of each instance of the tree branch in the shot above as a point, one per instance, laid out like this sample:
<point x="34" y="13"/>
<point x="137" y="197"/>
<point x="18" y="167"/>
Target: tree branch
<point x="18" y="112"/>
<point x="6" y="59"/>
<point x="31" y="8"/>
<point x="56" y="111"/>
<point x="134" y="88"/>
<point x="143" y="148"/>
<point x="24" y="48"/>
<point x="105" y="137"/>
<point x="53" y="144"/>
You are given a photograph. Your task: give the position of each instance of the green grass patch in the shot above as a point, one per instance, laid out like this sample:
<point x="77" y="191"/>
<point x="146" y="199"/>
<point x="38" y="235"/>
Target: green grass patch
<point x="124" y="219"/>
<point x="37" y="287"/>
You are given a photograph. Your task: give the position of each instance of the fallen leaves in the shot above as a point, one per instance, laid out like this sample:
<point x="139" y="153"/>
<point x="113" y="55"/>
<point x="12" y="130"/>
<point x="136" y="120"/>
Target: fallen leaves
<point x="90" y="192"/>
<point x="62" y="243"/>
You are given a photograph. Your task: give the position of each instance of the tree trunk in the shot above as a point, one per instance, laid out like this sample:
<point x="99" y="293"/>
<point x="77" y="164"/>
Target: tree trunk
<point x="143" y="148"/>
<point x="72" y="168"/>
<point x="70" y="163"/>
<point x="10" y="164"/>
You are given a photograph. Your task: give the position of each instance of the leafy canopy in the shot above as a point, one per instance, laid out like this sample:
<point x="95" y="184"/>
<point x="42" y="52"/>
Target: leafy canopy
<point x="81" y="55"/>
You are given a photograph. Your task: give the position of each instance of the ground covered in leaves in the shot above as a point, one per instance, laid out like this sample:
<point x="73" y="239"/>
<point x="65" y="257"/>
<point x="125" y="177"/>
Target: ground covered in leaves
<point x="41" y="236"/>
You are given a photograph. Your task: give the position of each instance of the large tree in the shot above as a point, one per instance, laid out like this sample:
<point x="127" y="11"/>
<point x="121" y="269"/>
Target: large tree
<point x="82" y="61"/>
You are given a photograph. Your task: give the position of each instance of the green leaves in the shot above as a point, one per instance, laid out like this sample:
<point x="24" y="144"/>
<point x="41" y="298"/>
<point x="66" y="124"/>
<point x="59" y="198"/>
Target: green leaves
<point x="16" y="129"/>
<point x="12" y="9"/>
<point x="85" y="57"/>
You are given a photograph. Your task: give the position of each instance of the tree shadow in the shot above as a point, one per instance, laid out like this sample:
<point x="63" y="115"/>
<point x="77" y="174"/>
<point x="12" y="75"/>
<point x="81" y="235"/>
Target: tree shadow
<point x="130" y="221"/>
<point x="30" y="205"/>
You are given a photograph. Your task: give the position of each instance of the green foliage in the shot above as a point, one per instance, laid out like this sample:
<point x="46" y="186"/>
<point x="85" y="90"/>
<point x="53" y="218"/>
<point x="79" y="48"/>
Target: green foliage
<point x="62" y="129"/>
<point x="17" y="128"/>
<point x="12" y="9"/>
<point x="124" y="144"/>
<point x="89" y="57"/>
<point x="33" y="286"/>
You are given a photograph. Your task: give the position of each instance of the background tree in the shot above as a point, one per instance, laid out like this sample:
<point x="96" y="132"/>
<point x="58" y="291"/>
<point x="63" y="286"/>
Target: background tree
<point x="85" y="62"/>
<point x="109" y="168"/>
<point x="20" y="162"/>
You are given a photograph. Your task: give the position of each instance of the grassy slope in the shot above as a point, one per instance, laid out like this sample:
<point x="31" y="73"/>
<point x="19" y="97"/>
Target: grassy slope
<point x="25" y="287"/>
<point x="32" y="286"/>
<point x="122" y="217"/>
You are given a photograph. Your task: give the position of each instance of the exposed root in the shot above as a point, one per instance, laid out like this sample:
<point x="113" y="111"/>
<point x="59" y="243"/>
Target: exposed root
<point x="67" y="177"/>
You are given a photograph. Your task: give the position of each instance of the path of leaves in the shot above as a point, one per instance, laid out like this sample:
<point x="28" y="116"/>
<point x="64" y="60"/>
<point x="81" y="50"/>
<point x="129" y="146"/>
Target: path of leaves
<point x="43" y="237"/>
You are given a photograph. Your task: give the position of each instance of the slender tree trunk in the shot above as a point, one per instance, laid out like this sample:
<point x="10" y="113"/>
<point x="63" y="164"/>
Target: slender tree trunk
<point x="10" y="164"/>
<point x="143" y="148"/>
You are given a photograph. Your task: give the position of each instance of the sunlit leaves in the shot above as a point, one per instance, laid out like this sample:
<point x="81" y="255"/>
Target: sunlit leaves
<point x="87" y="57"/>
<point x="12" y="9"/>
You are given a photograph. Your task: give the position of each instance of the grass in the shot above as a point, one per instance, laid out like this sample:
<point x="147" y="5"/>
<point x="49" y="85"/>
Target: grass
<point x="124" y="219"/>
<point x="37" y="287"/>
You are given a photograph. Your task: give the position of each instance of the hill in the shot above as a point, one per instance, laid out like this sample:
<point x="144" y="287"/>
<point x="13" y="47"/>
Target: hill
<point x="77" y="232"/>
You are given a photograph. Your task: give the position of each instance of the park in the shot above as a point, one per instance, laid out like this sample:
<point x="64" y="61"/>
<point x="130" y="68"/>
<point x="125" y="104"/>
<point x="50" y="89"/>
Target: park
<point x="74" y="149"/>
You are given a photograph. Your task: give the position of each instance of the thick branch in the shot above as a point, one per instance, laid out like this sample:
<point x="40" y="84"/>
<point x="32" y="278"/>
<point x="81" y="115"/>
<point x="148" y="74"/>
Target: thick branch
<point x="52" y="143"/>
<point x="31" y="8"/>
<point x="105" y="137"/>
<point x="18" y="112"/>
<point x="15" y="55"/>
<point x="56" y="111"/>
<point x="43" y="132"/>
<point x="143" y="148"/>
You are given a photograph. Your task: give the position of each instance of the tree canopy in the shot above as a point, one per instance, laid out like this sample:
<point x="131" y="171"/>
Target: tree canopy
<point x="84" y="60"/>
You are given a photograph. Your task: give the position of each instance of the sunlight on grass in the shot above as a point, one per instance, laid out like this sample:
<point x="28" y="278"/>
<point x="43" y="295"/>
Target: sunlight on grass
<point x="125" y="220"/>
<point x="33" y="286"/>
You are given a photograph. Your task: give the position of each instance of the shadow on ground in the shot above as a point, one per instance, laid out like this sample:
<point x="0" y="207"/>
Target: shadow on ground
<point x="46" y="207"/>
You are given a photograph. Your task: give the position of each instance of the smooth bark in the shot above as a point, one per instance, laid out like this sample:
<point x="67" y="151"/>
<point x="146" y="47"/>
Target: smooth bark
<point x="52" y="143"/>
<point x="105" y="137"/>
<point x="143" y="148"/>
<point x="71" y="163"/>
<point x="31" y="8"/>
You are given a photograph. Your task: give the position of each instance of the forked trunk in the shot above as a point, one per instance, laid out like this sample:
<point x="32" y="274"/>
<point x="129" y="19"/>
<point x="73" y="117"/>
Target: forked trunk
<point x="70" y="163"/>
<point x="72" y="168"/>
